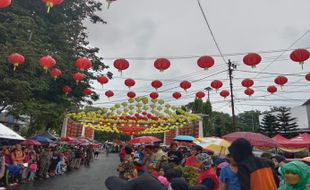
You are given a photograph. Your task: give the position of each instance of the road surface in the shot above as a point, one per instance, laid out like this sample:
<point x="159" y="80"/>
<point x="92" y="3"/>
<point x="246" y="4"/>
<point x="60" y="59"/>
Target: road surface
<point x="91" y="178"/>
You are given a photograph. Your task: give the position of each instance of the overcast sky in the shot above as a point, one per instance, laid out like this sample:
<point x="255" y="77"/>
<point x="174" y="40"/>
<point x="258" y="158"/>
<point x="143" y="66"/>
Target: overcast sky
<point x="151" y="29"/>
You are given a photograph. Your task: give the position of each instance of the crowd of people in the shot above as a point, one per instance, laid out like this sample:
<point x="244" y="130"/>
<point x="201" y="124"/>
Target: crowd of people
<point x="153" y="167"/>
<point x="24" y="164"/>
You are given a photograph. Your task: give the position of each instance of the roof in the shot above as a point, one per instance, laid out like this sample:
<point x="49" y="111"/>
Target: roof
<point x="306" y="103"/>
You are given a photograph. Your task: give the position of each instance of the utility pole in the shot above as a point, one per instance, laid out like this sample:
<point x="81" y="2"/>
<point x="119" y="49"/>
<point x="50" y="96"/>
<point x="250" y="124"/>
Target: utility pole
<point x="231" y="68"/>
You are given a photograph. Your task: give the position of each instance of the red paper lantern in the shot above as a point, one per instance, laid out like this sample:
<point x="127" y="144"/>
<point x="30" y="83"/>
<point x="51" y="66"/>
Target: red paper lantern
<point x="272" y="89"/>
<point x="205" y="62"/>
<point x="185" y="85"/>
<point x="281" y="80"/>
<point x="200" y="94"/>
<point x="109" y="93"/>
<point x="67" y="89"/>
<point x="154" y="95"/>
<point x="131" y="94"/>
<point x="5" y="3"/>
<point x="216" y="84"/>
<point x="51" y="3"/>
<point x="16" y="59"/>
<point x="252" y="59"/>
<point x="87" y="92"/>
<point x="78" y="77"/>
<point x="247" y="83"/>
<point x="224" y="93"/>
<point x="156" y="84"/>
<point x="83" y="64"/>
<point x="249" y="91"/>
<point x="47" y="62"/>
<point x="162" y="64"/>
<point x="300" y="55"/>
<point x="121" y="65"/>
<point x="129" y="83"/>
<point x="56" y="73"/>
<point x="102" y="80"/>
<point x="176" y="95"/>
<point x="307" y="77"/>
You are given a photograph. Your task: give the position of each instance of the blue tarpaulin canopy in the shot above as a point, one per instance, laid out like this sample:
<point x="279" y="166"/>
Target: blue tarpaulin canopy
<point x="184" y="138"/>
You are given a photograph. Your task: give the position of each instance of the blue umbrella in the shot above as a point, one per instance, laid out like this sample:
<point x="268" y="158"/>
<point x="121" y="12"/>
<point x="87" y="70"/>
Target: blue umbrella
<point x="42" y="139"/>
<point x="184" y="138"/>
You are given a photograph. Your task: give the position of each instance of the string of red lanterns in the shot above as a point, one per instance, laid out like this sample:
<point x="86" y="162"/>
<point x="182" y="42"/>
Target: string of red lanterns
<point x="67" y="89"/>
<point x="47" y="62"/>
<point x="16" y="59"/>
<point x="216" y="84"/>
<point x="247" y="83"/>
<point x="176" y="95"/>
<point x="300" y="56"/>
<point x="51" y="3"/>
<point x="154" y="95"/>
<point x="83" y="63"/>
<point x="281" y="80"/>
<point x="272" y="89"/>
<point x="205" y="62"/>
<point x="185" y="85"/>
<point x="156" y="84"/>
<point x="249" y="92"/>
<point x="162" y="64"/>
<point x="102" y="80"/>
<point x="131" y="95"/>
<point x="224" y="93"/>
<point x="55" y="73"/>
<point x="252" y="59"/>
<point x="121" y="65"/>
<point x="5" y="3"/>
<point x="200" y="95"/>
<point x="109" y="93"/>
<point x="129" y="83"/>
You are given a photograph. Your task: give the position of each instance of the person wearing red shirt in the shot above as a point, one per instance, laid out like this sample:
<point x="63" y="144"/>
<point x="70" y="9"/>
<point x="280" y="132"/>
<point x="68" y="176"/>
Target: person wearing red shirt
<point x="192" y="160"/>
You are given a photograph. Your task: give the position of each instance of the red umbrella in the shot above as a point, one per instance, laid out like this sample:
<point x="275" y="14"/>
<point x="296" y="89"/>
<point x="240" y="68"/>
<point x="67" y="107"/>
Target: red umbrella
<point x="30" y="142"/>
<point x="67" y="139"/>
<point x="144" y="140"/>
<point x="256" y="139"/>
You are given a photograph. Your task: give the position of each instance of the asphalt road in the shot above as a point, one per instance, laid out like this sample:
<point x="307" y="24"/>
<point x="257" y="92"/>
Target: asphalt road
<point x="91" y="178"/>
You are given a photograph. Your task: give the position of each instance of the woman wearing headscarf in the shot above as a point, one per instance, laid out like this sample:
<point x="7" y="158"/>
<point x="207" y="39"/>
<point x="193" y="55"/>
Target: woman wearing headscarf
<point x="296" y="176"/>
<point x="207" y="174"/>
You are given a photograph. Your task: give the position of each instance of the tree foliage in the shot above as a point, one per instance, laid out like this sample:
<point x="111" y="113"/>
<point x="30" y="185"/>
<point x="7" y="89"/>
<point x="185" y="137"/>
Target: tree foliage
<point x="26" y="28"/>
<point x="287" y="123"/>
<point x="248" y="121"/>
<point x="269" y="125"/>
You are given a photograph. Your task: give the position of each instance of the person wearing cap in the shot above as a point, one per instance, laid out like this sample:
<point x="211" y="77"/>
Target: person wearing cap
<point x="144" y="182"/>
<point x="254" y="173"/>
<point x="192" y="160"/>
<point x="296" y="175"/>
<point x="207" y="175"/>
<point x="228" y="175"/>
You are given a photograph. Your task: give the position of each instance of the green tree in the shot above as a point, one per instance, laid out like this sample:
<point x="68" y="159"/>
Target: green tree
<point x="26" y="28"/>
<point x="287" y="124"/>
<point x="204" y="108"/>
<point x="248" y="121"/>
<point x="269" y="125"/>
<point x="221" y="124"/>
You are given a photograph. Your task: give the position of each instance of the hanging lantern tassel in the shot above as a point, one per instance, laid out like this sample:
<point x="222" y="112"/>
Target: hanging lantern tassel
<point x="109" y="3"/>
<point x="45" y="69"/>
<point x="49" y="6"/>
<point x="15" y="66"/>
<point x="302" y="65"/>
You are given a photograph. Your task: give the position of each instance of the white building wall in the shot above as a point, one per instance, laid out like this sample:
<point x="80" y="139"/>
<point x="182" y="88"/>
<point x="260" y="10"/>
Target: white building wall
<point x="300" y="113"/>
